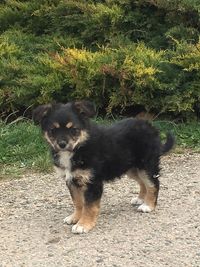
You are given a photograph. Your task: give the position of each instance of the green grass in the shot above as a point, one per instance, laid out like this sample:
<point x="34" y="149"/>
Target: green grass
<point x="22" y="146"/>
<point x="187" y="134"/>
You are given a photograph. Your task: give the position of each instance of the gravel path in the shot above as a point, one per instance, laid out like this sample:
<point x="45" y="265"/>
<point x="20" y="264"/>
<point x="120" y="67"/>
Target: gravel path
<point x="32" y="233"/>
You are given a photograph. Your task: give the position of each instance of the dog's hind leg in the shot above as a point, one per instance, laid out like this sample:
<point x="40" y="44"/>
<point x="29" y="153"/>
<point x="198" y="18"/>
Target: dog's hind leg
<point x="132" y="173"/>
<point x="77" y="196"/>
<point x="152" y="189"/>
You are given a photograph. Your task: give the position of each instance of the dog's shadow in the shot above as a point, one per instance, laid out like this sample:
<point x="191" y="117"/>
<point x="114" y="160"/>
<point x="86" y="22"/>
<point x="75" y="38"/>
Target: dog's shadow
<point x="120" y="207"/>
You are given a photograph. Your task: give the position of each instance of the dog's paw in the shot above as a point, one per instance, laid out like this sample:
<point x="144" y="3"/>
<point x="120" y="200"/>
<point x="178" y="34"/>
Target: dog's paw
<point x="79" y="229"/>
<point x="144" y="208"/>
<point x="71" y="219"/>
<point x="137" y="201"/>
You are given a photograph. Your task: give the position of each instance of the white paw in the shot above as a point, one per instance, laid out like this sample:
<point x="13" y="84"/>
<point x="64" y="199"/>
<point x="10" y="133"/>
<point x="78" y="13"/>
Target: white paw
<point x="79" y="229"/>
<point x="137" y="201"/>
<point x="69" y="219"/>
<point x="144" y="208"/>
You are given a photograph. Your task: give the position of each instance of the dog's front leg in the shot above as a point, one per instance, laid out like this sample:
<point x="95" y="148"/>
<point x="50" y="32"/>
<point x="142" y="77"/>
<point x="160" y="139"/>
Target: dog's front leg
<point x="77" y="196"/>
<point x="90" y="210"/>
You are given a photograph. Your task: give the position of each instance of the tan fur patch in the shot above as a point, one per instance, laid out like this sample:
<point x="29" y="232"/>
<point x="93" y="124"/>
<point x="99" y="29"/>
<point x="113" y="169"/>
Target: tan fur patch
<point x="146" y="116"/>
<point x="143" y="190"/>
<point x="82" y="177"/>
<point x="56" y="125"/>
<point x="151" y="190"/>
<point x="81" y="139"/>
<point x="145" y="178"/>
<point x="151" y="197"/>
<point x="89" y="215"/>
<point x="133" y="173"/>
<point x="78" y="200"/>
<point x="69" y="124"/>
<point x="148" y="192"/>
<point x="46" y="136"/>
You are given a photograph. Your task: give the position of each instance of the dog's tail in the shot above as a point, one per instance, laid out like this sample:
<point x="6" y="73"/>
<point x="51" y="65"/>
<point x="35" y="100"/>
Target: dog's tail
<point x="168" y="145"/>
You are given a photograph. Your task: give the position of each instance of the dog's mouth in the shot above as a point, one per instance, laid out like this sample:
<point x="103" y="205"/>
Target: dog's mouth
<point x="64" y="147"/>
<point x="70" y="149"/>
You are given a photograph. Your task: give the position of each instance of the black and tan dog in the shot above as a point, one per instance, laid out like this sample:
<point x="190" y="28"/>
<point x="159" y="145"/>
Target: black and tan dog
<point x="87" y="154"/>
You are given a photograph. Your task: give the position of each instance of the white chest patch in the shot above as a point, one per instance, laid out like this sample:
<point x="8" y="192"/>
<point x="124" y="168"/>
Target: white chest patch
<point x="65" y="159"/>
<point x="64" y="170"/>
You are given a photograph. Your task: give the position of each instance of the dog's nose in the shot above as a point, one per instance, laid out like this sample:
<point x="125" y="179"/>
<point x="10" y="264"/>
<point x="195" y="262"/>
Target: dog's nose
<point x="62" y="144"/>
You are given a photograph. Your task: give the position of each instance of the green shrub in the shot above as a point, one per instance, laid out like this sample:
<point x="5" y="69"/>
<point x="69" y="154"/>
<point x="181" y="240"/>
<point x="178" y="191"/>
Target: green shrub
<point x="133" y="75"/>
<point x="117" y="53"/>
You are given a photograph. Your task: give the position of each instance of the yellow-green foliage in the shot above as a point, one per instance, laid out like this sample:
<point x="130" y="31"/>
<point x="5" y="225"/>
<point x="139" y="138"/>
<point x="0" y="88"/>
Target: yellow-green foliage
<point x="117" y="53"/>
<point x="132" y="75"/>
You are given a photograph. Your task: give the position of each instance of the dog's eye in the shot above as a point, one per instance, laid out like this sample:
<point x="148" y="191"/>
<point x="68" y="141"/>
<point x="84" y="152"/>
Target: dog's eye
<point x="75" y="131"/>
<point x="52" y="129"/>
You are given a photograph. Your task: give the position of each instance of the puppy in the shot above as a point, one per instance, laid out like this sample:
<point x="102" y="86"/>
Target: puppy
<point x="87" y="155"/>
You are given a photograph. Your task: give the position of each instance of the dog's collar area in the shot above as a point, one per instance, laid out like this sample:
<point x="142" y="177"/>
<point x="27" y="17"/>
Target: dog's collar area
<point x="75" y="162"/>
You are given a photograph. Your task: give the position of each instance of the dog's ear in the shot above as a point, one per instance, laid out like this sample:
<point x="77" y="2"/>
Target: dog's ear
<point x="40" y="112"/>
<point x="85" y="108"/>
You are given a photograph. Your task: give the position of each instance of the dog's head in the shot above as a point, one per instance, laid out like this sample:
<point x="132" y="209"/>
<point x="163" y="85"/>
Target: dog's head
<point x="65" y="126"/>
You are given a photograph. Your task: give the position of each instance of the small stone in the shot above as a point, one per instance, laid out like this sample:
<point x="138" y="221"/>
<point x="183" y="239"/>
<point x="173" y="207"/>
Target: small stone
<point x="53" y="240"/>
<point x="99" y="260"/>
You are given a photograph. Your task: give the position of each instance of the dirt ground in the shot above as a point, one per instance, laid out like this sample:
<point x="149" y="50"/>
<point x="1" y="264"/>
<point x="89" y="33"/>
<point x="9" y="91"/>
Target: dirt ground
<point x="32" y="232"/>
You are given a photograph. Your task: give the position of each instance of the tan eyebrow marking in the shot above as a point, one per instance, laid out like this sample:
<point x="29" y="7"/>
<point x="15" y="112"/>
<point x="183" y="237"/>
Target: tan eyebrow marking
<point x="56" y="125"/>
<point x="69" y="124"/>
